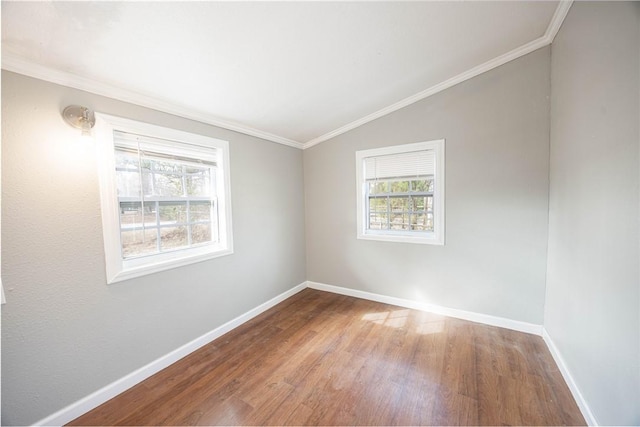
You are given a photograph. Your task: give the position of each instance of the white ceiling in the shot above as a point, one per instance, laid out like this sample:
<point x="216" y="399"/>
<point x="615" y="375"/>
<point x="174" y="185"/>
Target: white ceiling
<point x="291" y="72"/>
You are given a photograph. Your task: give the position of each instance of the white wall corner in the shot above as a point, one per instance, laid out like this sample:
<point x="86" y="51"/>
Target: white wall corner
<point x="111" y="390"/>
<point x="479" y="318"/>
<point x="568" y="378"/>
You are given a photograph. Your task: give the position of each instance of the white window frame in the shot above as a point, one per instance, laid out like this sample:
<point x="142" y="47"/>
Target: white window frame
<point x="433" y="238"/>
<point x="119" y="269"/>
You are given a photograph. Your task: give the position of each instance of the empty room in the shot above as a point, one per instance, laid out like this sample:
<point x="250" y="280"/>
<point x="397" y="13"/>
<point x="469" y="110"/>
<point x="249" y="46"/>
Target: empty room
<point x="320" y="213"/>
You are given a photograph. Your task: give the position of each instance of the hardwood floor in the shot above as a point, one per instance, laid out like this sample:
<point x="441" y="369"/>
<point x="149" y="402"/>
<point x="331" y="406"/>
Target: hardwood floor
<point x="325" y="359"/>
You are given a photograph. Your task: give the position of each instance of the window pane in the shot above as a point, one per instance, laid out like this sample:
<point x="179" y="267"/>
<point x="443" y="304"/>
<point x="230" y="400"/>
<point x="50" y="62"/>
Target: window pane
<point x="173" y="212"/>
<point x="200" y="233"/>
<point x="147" y="181"/>
<point x="377" y="187"/>
<point x="422" y="222"/>
<point x="126" y="161"/>
<point x="400" y="221"/>
<point x="378" y="221"/>
<point x="399" y="204"/>
<point x="422" y="185"/>
<point x="167" y="167"/>
<point x="173" y="237"/>
<point x="399" y="186"/>
<point x="378" y="204"/>
<point x="431" y="185"/>
<point x="150" y="210"/>
<point x="198" y="181"/>
<point x="139" y="242"/>
<point x="419" y="222"/>
<point x="407" y="212"/>
<point x="128" y="183"/>
<point x="200" y="211"/>
<point x="130" y="214"/>
<point x="168" y="185"/>
<point x="419" y="203"/>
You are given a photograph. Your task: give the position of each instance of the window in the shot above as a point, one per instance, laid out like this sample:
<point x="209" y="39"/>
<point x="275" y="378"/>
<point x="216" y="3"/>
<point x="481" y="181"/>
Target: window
<point x="165" y="197"/>
<point x="401" y="193"/>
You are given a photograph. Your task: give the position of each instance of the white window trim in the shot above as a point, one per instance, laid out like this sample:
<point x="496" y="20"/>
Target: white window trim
<point x="433" y="238"/>
<point x="118" y="269"/>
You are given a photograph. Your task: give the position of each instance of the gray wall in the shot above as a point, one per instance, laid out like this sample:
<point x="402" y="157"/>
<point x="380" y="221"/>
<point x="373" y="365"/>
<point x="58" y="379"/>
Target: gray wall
<point x="592" y="309"/>
<point x="65" y="333"/>
<point x="496" y="128"/>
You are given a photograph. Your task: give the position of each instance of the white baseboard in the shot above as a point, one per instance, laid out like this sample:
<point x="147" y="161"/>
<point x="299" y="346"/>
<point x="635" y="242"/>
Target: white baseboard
<point x="480" y="318"/>
<point x="486" y="319"/>
<point x="97" y="398"/>
<point x="568" y="378"/>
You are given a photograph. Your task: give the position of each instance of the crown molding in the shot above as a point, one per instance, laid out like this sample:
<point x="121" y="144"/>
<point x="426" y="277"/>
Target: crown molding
<point x="556" y="21"/>
<point x="558" y="18"/>
<point x="17" y="64"/>
<point x="462" y="77"/>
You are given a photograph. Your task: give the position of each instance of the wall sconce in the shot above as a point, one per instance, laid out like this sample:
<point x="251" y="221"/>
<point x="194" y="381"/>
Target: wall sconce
<point x="80" y="118"/>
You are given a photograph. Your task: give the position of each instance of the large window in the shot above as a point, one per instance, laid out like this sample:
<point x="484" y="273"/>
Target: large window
<point x="401" y="193"/>
<point x="165" y="197"/>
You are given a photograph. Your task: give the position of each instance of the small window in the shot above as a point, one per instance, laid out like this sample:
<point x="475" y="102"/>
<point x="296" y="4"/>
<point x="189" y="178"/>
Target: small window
<point x="401" y="193"/>
<point x="165" y="197"/>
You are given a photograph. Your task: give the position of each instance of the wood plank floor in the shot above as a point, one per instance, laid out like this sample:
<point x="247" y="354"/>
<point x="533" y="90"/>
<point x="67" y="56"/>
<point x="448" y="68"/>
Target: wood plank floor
<point x="325" y="359"/>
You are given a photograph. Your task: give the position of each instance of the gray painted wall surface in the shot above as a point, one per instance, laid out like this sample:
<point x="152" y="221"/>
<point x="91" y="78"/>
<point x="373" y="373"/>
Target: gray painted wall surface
<point x="592" y="309"/>
<point x="65" y="333"/>
<point x="496" y="128"/>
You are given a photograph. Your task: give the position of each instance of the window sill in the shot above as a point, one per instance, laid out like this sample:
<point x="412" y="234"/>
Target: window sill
<point x="427" y="239"/>
<point x="149" y="268"/>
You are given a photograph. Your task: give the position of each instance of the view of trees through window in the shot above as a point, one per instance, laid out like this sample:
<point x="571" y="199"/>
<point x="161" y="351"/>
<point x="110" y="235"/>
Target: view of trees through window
<point x="400" y="204"/>
<point x="165" y="204"/>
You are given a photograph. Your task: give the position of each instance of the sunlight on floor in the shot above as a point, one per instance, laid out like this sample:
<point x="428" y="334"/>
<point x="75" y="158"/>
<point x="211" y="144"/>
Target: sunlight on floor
<point x="398" y="319"/>
<point x="393" y="319"/>
<point x="430" y="328"/>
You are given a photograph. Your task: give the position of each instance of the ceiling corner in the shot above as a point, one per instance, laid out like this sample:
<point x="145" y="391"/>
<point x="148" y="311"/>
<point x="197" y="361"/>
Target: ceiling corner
<point x="558" y="18"/>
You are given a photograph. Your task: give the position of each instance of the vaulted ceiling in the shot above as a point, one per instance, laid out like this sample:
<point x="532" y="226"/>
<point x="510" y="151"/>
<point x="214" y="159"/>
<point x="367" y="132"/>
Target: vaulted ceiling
<point x="296" y="73"/>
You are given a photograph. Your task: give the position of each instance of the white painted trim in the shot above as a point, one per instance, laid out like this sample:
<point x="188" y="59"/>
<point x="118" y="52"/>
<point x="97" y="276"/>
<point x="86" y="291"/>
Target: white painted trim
<point x="558" y="17"/>
<point x="479" y="318"/>
<point x="98" y="397"/>
<point x="516" y="325"/>
<point x="17" y="64"/>
<point x="435" y="238"/>
<point x="119" y="269"/>
<point x="473" y="72"/>
<point x="568" y="378"/>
